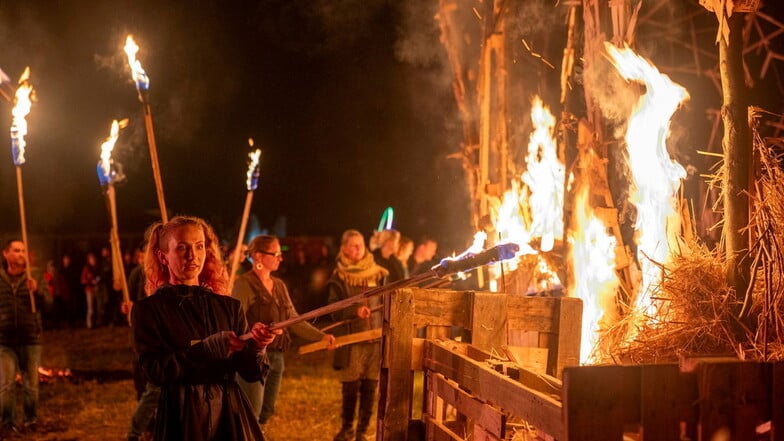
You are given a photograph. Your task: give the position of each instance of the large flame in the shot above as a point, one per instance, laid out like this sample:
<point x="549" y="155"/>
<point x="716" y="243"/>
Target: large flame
<point x="139" y="75"/>
<point x="544" y="176"/>
<point x="252" y="180"/>
<point x="594" y="279"/>
<point x="23" y="102"/>
<point x="106" y="173"/>
<point x="656" y="178"/>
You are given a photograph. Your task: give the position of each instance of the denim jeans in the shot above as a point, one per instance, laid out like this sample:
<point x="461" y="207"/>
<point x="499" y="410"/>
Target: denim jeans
<point x="262" y="397"/>
<point x="25" y="359"/>
<point x="145" y="409"/>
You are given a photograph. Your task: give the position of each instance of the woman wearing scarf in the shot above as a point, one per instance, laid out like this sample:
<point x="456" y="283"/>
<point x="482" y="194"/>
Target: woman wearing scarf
<point x="359" y="364"/>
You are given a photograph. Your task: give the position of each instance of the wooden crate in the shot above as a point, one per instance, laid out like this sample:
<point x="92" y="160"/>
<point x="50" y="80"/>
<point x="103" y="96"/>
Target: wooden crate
<point x="486" y="317"/>
<point x="728" y="400"/>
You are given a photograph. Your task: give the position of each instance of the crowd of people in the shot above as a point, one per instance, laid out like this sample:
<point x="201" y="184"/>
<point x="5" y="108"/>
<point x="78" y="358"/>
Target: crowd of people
<point x="208" y="365"/>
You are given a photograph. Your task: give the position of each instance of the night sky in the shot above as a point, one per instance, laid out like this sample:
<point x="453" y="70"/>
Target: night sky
<point x="350" y="102"/>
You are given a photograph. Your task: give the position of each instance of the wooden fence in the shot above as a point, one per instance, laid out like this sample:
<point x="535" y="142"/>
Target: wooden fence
<point x="472" y="392"/>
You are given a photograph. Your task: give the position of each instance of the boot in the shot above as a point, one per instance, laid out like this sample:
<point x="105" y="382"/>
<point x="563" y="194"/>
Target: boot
<point x="367" y="400"/>
<point x="350" y="393"/>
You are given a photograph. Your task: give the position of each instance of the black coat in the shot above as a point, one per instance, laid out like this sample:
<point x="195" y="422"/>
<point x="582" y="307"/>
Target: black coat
<point x="200" y="399"/>
<point x="18" y="324"/>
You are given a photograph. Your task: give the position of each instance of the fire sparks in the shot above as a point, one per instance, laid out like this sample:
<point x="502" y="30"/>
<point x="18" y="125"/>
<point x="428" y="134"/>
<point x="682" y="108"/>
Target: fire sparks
<point x="139" y="75"/>
<point x="23" y="102"/>
<point x="107" y="173"/>
<point x="656" y="177"/>
<point x="254" y="168"/>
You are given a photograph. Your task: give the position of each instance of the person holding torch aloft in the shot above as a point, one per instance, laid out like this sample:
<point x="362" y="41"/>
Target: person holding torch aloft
<point x="265" y="299"/>
<point x="20" y="337"/>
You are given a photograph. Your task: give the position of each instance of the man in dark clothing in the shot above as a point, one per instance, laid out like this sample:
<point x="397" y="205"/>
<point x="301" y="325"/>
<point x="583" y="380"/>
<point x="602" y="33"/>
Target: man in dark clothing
<point x="20" y="337"/>
<point x="386" y="254"/>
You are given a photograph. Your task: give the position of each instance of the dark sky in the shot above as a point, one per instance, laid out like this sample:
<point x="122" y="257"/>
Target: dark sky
<point x="350" y="101"/>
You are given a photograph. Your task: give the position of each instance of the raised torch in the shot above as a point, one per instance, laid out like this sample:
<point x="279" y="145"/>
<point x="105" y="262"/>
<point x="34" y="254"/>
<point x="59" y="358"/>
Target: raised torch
<point x="143" y="87"/>
<point x="23" y="101"/>
<point x="252" y="182"/>
<point x="110" y="172"/>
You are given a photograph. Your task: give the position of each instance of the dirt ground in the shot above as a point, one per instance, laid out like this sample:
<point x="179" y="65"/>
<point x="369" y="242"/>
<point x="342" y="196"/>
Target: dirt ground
<point x="96" y="402"/>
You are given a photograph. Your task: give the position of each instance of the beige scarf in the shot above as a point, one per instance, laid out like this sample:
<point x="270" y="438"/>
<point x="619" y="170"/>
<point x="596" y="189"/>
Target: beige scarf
<point x="363" y="273"/>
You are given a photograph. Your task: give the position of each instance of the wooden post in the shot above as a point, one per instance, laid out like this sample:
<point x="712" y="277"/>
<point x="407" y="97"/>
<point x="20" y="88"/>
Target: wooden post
<point x="23" y="221"/>
<point x="118" y="269"/>
<point x="235" y="261"/>
<point x="156" y="170"/>
<point x="736" y="146"/>
<point x="397" y="379"/>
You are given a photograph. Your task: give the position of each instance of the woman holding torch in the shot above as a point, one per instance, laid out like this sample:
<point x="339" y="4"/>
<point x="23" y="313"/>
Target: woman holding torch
<point x="185" y="334"/>
<point x="265" y="299"/>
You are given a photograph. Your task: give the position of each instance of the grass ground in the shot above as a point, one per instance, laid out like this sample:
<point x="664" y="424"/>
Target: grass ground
<point x="96" y="403"/>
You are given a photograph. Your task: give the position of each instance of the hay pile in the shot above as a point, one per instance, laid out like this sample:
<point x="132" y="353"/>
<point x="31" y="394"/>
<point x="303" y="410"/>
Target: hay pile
<point x="699" y="309"/>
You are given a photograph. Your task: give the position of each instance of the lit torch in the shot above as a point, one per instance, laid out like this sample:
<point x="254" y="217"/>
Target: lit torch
<point x="252" y="183"/>
<point x="23" y="101"/>
<point x="109" y="172"/>
<point x="143" y="87"/>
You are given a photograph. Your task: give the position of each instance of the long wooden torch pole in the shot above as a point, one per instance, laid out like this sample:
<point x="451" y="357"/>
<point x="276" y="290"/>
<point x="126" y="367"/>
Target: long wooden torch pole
<point x="235" y="261"/>
<point x="119" y="269"/>
<point x="156" y="170"/>
<point x="23" y="221"/>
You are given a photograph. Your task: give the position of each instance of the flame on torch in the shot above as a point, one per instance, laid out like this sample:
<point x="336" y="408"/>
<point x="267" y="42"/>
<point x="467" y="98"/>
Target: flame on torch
<point x="23" y="101"/>
<point x="106" y="174"/>
<point x="254" y="167"/>
<point x="139" y="75"/>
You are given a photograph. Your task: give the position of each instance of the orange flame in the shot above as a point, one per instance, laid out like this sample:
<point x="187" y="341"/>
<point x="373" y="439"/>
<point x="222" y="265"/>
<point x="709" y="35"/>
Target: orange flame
<point x="594" y="281"/>
<point x="137" y="72"/>
<point x="656" y="177"/>
<point x="544" y="177"/>
<point x="108" y="146"/>
<point x="23" y="102"/>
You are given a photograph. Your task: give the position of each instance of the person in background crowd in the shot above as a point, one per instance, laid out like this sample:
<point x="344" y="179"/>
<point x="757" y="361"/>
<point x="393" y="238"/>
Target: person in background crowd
<point x="71" y="285"/>
<point x="265" y="299"/>
<point x="187" y="336"/>
<point x="386" y="254"/>
<point x="422" y="258"/>
<point x="360" y="363"/>
<point x="20" y="339"/>
<point x="54" y="308"/>
<point x="90" y="280"/>
<point x="404" y="253"/>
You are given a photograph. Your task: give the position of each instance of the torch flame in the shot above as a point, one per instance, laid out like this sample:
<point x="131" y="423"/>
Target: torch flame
<point x="22" y="104"/>
<point x="656" y="177"/>
<point x="253" y="168"/>
<point x="105" y="172"/>
<point x="137" y="72"/>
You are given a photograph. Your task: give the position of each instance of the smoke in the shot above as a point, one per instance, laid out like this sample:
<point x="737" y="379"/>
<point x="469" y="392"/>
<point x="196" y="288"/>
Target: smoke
<point x="614" y="96"/>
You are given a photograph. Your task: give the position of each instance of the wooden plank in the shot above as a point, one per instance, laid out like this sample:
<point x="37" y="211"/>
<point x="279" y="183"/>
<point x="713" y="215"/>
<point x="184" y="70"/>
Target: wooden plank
<point x="480" y="434"/>
<point x="598" y="401"/>
<point x="538" y="409"/>
<point x="667" y="398"/>
<point x="440" y="307"/>
<point x="437" y="431"/>
<point x="534" y="359"/>
<point x="342" y="340"/>
<point x="543" y="383"/>
<point x="567" y="323"/>
<point x="733" y="398"/>
<point x="490" y="418"/>
<point x="777" y="403"/>
<point x="488" y="320"/>
<point x="396" y="380"/>
<point x="417" y="354"/>
<point x="531" y="313"/>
